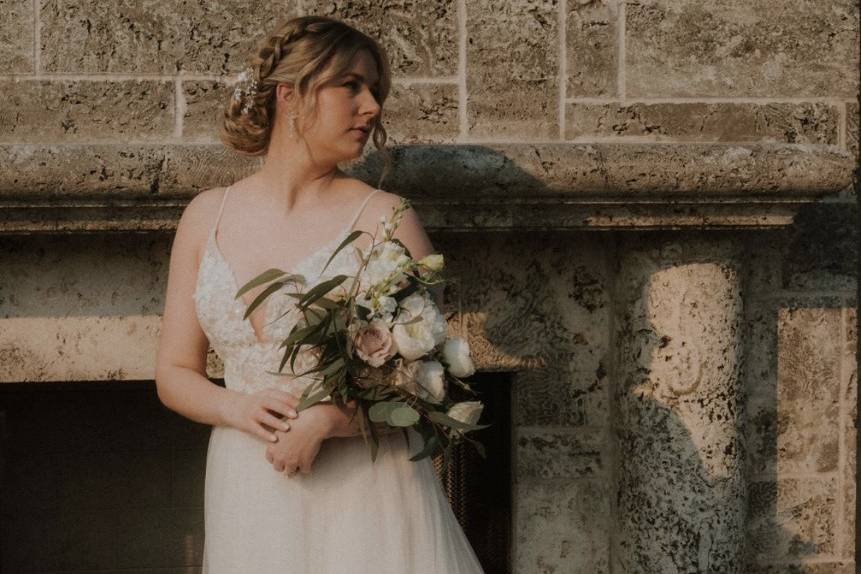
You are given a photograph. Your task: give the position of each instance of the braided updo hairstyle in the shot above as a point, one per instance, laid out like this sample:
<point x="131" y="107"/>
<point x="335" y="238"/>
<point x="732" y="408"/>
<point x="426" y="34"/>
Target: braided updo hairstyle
<point x="307" y="52"/>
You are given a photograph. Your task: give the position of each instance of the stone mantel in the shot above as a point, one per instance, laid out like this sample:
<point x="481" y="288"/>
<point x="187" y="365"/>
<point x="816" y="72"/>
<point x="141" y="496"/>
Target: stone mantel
<point x="124" y="188"/>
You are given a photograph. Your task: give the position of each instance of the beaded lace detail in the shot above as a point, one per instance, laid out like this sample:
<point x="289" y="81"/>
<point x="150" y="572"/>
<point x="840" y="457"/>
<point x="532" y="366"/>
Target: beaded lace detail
<point x="246" y="358"/>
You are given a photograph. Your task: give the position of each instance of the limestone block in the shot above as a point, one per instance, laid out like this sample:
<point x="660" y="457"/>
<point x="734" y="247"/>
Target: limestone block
<point x="421" y="113"/>
<point x="814" y="123"/>
<point x="592" y="48"/>
<point x="791" y="519"/>
<point x="560" y="453"/>
<point x="78" y="169"/>
<point x="65" y="111"/>
<point x="193" y="168"/>
<point x="420" y="36"/>
<point x="128" y="36"/>
<point x="16" y="37"/>
<point x="739" y="48"/>
<point x="678" y="323"/>
<point x="793" y="419"/>
<point x="636" y="171"/>
<point x="562" y="526"/>
<point x="204" y="105"/>
<point x="512" y="69"/>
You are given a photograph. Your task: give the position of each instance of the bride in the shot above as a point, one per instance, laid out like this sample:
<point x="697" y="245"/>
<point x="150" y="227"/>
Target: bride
<point x="287" y="492"/>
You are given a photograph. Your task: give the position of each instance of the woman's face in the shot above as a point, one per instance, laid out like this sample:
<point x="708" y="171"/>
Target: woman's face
<point x="344" y="105"/>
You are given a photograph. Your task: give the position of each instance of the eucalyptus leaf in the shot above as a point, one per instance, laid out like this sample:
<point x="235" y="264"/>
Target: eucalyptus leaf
<point x="272" y="288"/>
<point x="320" y="290"/>
<point x="265" y="277"/>
<point x="403" y="416"/>
<point x="379" y="412"/>
<point x="347" y="240"/>
<point x="430" y="446"/>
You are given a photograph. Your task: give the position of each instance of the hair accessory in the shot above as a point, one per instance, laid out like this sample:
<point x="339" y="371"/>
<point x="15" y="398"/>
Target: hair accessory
<point x="246" y="89"/>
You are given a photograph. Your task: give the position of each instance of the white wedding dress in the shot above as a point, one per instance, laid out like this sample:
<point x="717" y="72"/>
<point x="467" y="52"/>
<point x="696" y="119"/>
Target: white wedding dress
<point x="350" y="515"/>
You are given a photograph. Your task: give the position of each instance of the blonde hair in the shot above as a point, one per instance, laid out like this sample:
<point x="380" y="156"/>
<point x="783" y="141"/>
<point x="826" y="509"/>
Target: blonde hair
<point x="307" y="52"/>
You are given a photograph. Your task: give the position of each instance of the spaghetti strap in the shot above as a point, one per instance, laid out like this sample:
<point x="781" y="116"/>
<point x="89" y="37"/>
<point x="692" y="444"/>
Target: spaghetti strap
<point x="220" y="210"/>
<point x="362" y="208"/>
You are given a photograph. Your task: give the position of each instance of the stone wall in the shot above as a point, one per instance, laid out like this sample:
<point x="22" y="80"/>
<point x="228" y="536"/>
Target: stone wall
<point x="727" y="357"/>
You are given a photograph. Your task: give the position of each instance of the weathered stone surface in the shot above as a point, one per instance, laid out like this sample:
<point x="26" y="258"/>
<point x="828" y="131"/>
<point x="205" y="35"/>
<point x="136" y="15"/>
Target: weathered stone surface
<point x="58" y="111"/>
<point x="42" y="171"/>
<point x="635" y="170"/>
<point x="592" y="48"/>
<point x="193" y="168"/>
<point x="128" y="36"/>
<point x="558" y="453"/>
<point x="836" y="567"/>
<point x="419" y="36"/>
<point x="204" y="104"/>
<point x="562" y="526"/>
<point x="817" y="252"/>
<point x="545" y="314"/>
<point x="421" y="113"/>
<point x="814" y="123"/>
<point x="850" y="410"/>
<point x="737" y="48"/>
<point x="512" y="69"/>
<point x="110" y="331"/>
<point x="852" y="128"/>
<point x="16" y="37"/>
<point x="498" y="172"/>
<point x="793" y="419"/>
<point x="791" y="519"/>
<point x="678" y="324"/>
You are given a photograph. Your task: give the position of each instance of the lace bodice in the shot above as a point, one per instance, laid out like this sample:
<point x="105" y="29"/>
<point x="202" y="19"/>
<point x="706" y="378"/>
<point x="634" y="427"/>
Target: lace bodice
<point x="246" y="358"/>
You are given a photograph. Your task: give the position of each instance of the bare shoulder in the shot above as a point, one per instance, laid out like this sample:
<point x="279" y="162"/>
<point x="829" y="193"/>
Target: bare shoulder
<point x="203" y="207"/>
<point x="198" y="216"/>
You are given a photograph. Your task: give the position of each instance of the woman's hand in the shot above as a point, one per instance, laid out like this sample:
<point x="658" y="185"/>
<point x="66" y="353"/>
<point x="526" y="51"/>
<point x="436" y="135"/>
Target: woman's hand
<point x="253" y="412"/>
<point x="296" y="450"/>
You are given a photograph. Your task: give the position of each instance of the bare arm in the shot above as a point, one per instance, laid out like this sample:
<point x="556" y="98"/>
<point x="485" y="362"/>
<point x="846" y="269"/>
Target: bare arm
<point x="180" y="377"/>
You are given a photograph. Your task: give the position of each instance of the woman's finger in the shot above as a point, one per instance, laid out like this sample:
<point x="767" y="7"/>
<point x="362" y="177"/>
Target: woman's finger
<point x="281" y="407"/>
<point x="259" y="430"/>
<point x="275" y="422"/>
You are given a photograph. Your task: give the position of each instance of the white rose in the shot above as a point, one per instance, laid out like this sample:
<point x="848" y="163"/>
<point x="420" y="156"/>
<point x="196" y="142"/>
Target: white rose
<point x="466" y="412"/>
<point x="455" y="352"/>
<point x="431" y="381"/>
<point x="416" y="339"/>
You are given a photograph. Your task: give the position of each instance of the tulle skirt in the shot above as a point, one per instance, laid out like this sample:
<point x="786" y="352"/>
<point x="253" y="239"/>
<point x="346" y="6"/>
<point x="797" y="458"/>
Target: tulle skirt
<point x="349" y="516"/>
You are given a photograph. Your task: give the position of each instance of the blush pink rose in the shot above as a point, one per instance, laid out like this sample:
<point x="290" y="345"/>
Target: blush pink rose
<point x="374" y="343"/>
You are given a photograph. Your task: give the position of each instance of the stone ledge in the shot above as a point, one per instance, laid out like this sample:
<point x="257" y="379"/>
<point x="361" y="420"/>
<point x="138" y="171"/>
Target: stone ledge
<point x="96" y="188"/>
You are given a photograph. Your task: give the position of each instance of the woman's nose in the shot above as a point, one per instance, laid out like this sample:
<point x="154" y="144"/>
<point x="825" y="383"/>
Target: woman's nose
<point x="370" y="103"/>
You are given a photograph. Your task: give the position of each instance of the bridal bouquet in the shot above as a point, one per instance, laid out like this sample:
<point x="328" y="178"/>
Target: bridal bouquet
<point x="380" y="342"/>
